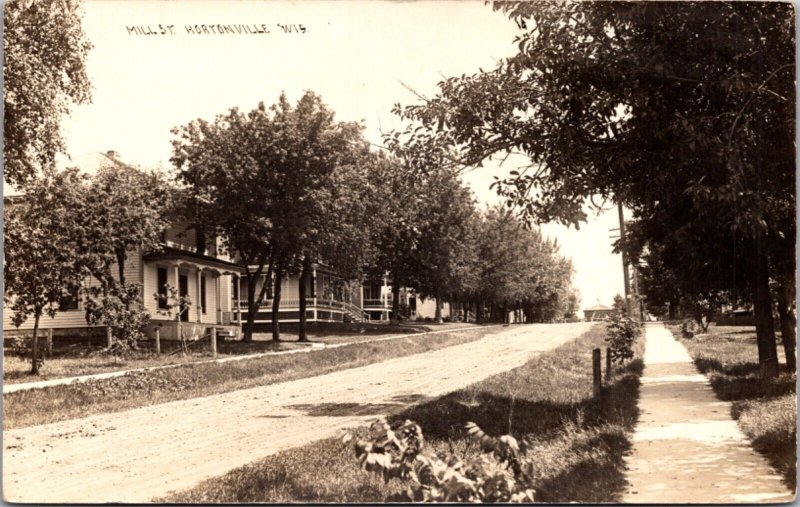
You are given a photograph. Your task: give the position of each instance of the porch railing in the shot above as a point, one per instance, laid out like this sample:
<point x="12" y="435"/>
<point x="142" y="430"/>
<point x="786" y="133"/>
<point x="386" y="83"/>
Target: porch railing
<point x="378" y="302"/>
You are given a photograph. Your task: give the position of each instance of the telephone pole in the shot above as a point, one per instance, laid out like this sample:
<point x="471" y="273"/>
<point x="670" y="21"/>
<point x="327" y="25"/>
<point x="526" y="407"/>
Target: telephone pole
<point x="625" y="273"/>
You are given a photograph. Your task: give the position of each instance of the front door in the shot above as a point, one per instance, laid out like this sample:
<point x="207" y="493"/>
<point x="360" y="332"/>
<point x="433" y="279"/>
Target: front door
<point x="183" y="290"/>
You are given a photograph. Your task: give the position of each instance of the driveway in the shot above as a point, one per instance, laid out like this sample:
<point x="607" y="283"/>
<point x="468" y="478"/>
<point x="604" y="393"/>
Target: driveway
<point x="148" y="452"/>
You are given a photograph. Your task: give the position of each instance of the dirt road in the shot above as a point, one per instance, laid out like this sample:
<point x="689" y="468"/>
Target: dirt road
<point x="148" y="452"/>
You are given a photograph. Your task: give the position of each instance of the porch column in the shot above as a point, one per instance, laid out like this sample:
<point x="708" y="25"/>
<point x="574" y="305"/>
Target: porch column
<point x="199" y="303"/>
<point x="177" y="271"/>
<point x="217" y="299"/>
<point x="239" y="299"/>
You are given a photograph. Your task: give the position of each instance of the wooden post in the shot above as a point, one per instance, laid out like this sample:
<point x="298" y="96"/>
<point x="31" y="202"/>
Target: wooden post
<point x="50" y="342"/>
<point x="608" y="364"/>
<point x="214" y="341"/>
<point x="158" y="340"/>
<point x="596" y="373"/>
<point x="109" y="337"/>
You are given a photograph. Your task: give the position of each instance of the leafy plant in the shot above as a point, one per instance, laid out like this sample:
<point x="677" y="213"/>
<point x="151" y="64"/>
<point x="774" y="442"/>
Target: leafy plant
<point x="121" y="307"/>
<point x="498" y="474"/>
<point x="622" y="334"/>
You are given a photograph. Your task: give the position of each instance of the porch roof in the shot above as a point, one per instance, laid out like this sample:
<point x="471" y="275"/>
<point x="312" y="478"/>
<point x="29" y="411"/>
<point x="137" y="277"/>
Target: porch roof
<point x="179" y="257"/>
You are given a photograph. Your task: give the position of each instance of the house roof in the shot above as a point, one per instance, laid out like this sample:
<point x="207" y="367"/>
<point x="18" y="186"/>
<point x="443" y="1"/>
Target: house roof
<point x="597" y="308"/>
<point x="88" y="163"/>
<point x="177" y="254"/>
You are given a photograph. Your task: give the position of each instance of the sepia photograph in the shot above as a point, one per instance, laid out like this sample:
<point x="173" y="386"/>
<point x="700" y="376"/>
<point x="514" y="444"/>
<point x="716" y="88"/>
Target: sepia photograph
<point x="367" y="252"/>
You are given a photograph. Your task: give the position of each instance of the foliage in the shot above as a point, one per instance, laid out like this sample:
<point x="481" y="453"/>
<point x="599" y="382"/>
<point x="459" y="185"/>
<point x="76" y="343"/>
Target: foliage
<point x="497" y="475"/>
<point x="119" y="217"/>
<point x="662" y="107"/>
<point x="173" y="302"/>
<point x="44" y="72"/>
<point x="687" y="328"/>
<point x="622" y="333"/>
<point x="518" y="267"/>
<point x="42" y="256"/>
<point x="266" y="182"/>
<point x="120" y="307"/>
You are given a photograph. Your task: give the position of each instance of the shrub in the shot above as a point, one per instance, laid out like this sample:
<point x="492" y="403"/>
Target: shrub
<point x="498" y="474"/>
<point x="687" y="329"/>
<point x="622" y="334"/>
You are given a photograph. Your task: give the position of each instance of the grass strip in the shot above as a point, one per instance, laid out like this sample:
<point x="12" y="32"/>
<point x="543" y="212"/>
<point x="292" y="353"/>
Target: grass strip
<point x="576" y="441"/>
<point x="765" y="409"/>
<point x="138" y="389"/>
<point x="84" y="359"/>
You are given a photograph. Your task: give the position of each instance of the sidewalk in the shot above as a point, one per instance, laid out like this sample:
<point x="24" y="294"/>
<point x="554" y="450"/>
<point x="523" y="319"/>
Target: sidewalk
<point x="687" y="449"/>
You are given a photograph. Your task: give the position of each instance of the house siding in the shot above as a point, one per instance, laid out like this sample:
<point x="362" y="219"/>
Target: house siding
<point x="77" y="318"/>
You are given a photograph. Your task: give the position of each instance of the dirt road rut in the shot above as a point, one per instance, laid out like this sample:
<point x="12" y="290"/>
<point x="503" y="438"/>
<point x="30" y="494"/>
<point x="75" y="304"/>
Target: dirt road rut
<point x="140" y="454"/>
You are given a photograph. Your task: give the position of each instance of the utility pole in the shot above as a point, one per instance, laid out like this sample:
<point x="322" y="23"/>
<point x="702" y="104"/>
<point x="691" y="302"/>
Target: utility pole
<point x="624" y="262"/>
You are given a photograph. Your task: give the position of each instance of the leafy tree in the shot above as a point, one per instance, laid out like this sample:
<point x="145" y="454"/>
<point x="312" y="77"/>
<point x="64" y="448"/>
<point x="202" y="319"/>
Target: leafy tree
<point x="259" y="179"/>
<point x="338" y="231"/>
<point x="125" y="210"/>
<point x="43" y="74"/>
<point x="396" y="233"/>
<point x="444" y="220"/>
<point x="643" y="102"/>
<point x="42" y="256"/>
<point x="228" y="168"/>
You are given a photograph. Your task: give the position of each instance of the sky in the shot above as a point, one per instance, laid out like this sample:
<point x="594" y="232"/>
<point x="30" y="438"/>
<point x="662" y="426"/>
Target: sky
<point x="361" y="57"/>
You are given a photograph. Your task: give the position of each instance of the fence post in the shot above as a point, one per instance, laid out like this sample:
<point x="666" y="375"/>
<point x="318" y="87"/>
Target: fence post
<point x="50" y="342"/>
<point x="608" y="363"/>
<point x="158" y="340"/>
<point x="109" y="337"/>
<point x="214" y="341"/>
<point x="596" y="373"/>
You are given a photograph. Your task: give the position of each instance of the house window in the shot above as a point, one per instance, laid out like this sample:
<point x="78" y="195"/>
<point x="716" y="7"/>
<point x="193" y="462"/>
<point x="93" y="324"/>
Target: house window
<point x="162" y="288"/>
<point x="203" y="293"/>
<point x="183" y="290"/>
<point x="235" y="288"/>
<point x="68" y="301"/>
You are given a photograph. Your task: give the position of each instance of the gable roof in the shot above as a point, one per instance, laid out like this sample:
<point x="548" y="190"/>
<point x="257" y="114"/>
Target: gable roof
<point x="88" y="163"/>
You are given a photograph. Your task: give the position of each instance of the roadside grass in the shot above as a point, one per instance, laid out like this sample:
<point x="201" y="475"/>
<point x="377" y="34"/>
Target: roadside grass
<point x="576" y="442"/>
<point x="766" y="410"/>
<point x="138" y="389"/>
<point x="84" y="359"/>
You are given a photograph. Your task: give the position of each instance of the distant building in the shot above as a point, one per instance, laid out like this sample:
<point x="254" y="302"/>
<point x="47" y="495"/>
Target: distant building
<point x="597" y="312"/>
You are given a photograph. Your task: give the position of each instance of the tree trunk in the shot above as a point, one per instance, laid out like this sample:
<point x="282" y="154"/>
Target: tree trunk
<point x="395" y="301"/>
<point x="253" y="302"/>
<point x="276" y="302"/>
<point x="479" y="312"/>
<point x="438" y="313"/>
<point x="304" y="276"/>
<point x="765" y="327"/>
<point x="252" y="308"/>
<point x="788" y="323"/>
<point x="35" y="344"/>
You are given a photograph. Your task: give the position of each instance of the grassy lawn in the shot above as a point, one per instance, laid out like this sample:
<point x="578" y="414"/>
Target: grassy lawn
<point x="766" y="410"/>
<point x="76" y="360"/>
<point x="137" y="389"/>
<point x="576" y="442"/>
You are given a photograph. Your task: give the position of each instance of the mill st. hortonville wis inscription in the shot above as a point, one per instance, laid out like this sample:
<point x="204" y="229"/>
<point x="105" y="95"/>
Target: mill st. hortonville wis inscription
<point x="215" y="29"/>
